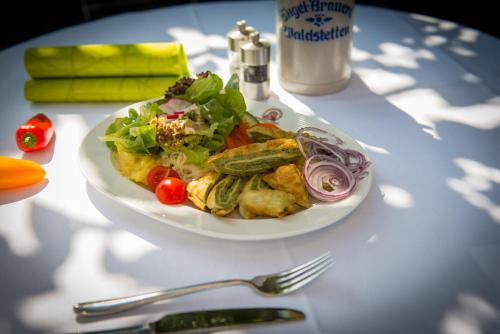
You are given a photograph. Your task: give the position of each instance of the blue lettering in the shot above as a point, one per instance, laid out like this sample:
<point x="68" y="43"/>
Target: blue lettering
<point x="328" y="6"/>
<point x="284" y="16"/>
<point x="315" y="36"/>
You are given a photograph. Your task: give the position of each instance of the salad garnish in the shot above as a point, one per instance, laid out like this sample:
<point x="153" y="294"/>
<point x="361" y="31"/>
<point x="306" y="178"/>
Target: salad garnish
<point x="194" y="123"/>
<point x="199" y="142"/>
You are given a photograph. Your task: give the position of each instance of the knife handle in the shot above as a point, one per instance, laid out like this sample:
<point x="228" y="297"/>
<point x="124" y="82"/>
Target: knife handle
<point x="115" y="305"/>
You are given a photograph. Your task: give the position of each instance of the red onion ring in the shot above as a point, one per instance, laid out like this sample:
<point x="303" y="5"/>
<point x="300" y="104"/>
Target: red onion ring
<point x="312" y="129"/>
<point x="356" y="162"/>
<point x="322" y="142"/>
<point x="329" y="165"/>
<point x="318" y="147"/>
<point x="327" y="179"/>
<point x="311" y="146"/>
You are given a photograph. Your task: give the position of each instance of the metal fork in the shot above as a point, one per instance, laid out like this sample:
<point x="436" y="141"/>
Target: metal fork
<point x="276" y="284"/>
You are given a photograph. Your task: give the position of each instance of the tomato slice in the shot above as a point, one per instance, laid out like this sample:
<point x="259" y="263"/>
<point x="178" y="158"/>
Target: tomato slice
<point x="238" y="137"/>
<point x="229" y="142"/>
<point x="267" y="125"/>
<point x="171" y="190"/>
<point x="158" y="173"/>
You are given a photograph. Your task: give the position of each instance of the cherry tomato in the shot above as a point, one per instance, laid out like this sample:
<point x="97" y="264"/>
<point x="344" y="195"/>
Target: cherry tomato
<point x="158" y="173"/>
<point x="171" y="190"/>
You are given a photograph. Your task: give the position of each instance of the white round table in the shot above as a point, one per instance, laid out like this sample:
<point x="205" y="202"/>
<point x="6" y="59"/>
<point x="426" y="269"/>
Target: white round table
<point x="420" y="255"/>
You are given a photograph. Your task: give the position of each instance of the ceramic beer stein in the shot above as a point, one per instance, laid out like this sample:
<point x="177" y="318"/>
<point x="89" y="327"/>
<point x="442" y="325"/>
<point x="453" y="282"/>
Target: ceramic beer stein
<point x="314" y="40"/>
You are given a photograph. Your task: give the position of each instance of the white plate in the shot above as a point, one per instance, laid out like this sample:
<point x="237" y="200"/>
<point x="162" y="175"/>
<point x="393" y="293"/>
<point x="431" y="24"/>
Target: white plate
<point x="95" y="162"/>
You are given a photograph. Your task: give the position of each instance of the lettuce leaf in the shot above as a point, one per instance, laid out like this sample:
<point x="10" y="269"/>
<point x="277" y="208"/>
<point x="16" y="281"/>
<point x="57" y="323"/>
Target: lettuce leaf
<point x="133" y="134"/>
<point x="233" y="82"/>
<point x="224" y="111"/>
<point x="232" y="100"/>
<point x="214" y="143"/>
<point x="220" y="107"/>
<point x="119" y="125"/>
<point x="150" y="111"/>
<point x="196" y="155"/>
<point x="203" y="89"/>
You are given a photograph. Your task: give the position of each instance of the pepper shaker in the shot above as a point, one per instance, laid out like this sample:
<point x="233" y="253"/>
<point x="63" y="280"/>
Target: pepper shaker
<point x="254" y="71"/>
<point x="235" y="38"/>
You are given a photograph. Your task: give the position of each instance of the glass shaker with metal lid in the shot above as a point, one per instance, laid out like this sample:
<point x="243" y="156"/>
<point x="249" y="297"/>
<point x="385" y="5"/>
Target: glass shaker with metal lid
<point x="235" y="38"/>
<point x="254" y="71"/>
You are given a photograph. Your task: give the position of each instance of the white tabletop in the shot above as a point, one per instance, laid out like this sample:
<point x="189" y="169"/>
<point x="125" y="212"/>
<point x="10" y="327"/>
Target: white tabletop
<point x="420" y="255"/>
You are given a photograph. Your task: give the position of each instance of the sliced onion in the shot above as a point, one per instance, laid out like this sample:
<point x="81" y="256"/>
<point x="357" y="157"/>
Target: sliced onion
<point x="312" y="146"/>
<point x="330" y="171"/>
<point x="322" y="135"/>
<point x="313" y="141"/>
<point x="356" y="162"/>
<point x="319" y="147"/>
<point x="316" y="141"/>
<point x="327" y="179"/>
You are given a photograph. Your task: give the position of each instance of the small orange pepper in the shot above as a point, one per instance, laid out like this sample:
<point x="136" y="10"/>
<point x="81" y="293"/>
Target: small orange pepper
<point x="17" y="173"/>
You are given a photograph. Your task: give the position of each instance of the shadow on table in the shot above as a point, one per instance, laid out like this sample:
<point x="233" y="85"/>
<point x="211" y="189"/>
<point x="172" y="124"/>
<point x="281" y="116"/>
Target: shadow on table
<point x="399" y="265"/>
<point x="396" y="249"/>
<point x="413" y="238"/>
<point x="475" y="51"/>
<point x="32" y="269"/>
<point x="18" y="194"/>
<point x="90" y="113"/>
<point x="162" y="235"/>
<point x="425" y="53"/>
<point x="59" y="262"/>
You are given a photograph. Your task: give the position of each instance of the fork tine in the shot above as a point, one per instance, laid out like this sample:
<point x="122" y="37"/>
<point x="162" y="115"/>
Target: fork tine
<point x="298" y="282"/>
<point x="303" y="266"/>
<point x="303" y="269"/>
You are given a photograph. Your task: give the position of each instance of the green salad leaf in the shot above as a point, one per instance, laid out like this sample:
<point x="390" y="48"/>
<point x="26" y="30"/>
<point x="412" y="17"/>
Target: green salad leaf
<point x="224" y="110"/>
<point x="114" y="128"/>
<point x="220" y="109"/>
<point x="196" y="155"/>
<point x="203" y="89"/>
<point x="233" y="82"/>
<point x="133" y="134"/>
<point x="149" y="111"/>
<point x="232" y="100"/>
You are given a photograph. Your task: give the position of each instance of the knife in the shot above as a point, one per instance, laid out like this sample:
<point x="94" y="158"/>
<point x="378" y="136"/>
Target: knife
<point x="211" y="320"/>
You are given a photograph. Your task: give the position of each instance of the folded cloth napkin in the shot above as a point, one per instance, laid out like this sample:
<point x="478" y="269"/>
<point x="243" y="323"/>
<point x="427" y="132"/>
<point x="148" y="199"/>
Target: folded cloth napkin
<point x="101" y="60"/>
<point x="97" y="89"/>
<point x="103" y="72"/>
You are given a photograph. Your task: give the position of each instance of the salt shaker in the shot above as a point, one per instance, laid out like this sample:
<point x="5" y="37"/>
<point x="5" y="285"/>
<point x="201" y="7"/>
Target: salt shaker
<point x="254" y="71"/>
<point x="235" y="38"/>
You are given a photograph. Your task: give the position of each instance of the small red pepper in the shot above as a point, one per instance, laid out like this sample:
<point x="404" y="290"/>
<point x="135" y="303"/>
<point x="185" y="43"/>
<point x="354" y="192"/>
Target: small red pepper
<point x="35" y="134"/>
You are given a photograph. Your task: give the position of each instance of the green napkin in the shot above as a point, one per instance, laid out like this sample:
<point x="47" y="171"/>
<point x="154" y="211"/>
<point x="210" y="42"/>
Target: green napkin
<point x="102" y="60"/>
<point x="97" y="89"/>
